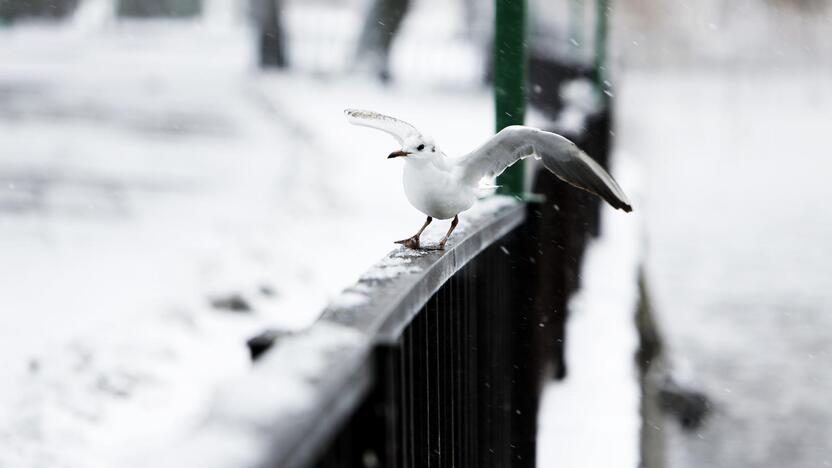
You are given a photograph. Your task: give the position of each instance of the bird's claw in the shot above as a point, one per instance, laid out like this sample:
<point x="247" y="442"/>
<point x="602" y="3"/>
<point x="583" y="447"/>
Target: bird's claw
<point x="410" y="243"/>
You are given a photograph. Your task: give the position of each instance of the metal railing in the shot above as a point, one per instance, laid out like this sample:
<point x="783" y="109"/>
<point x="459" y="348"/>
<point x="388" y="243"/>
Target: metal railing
<point x="448" y="361"/>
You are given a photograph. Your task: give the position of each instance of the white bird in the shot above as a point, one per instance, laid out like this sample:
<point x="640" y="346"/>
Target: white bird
<point x="442" y="187"/>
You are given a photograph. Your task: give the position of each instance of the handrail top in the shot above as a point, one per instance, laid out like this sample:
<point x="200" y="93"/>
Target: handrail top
<point x="387" y="296"/>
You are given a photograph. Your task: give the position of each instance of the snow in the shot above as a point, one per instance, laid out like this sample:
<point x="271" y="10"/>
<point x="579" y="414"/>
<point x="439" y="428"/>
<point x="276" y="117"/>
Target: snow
<point x="389" y="268"/>
<point x="249" y="411"/>
<point x="715" y="34"/>
<point x="738" y="223"/>
<point x="580" y="100"/>
<point x="591" y="419"/>
<point x="147" y="168"/>
<point x="349" y="298"/>
<point x="293" y="367"/>
<point x="729" y="106"/>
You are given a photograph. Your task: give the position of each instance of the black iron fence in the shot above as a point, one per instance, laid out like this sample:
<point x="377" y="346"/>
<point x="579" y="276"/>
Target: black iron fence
<point x="455" y="384"/>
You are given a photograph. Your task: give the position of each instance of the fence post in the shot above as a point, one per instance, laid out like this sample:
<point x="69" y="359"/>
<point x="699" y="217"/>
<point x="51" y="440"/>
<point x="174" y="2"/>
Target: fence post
<point x="510" y="63"/>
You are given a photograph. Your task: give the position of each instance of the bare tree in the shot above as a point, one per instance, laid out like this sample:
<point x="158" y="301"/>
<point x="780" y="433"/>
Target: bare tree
<point x="272" y="41"/>
<point x="10" y="10"/>
<point x="380" y="27"/>
<point x="804" y="5"/>
<point x="155" y="8"/>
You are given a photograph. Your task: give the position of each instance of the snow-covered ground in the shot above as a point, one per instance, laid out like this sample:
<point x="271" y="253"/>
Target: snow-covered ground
<point x="148" y="168"/>
<point x="736" y="198"/>
<point x="591" y="419"/>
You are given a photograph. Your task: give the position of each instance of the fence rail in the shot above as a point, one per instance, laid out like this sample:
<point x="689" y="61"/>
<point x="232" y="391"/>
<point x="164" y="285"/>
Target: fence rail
<point x="445" y="389"/>
<point x="430" y="331"/>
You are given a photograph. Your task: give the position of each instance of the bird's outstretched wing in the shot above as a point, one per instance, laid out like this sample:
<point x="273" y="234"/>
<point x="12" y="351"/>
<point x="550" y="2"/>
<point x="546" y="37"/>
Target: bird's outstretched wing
<point x="562" y="157"/>
<point x="399" y="129"/>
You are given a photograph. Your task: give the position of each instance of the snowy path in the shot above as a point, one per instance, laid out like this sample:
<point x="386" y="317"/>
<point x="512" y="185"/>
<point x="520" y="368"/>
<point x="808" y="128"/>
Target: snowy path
<point x="737" y="169"/>
<point x="591" y="419"/>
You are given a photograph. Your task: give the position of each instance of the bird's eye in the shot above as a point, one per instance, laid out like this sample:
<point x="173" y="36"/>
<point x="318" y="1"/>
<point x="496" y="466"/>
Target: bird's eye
<point x="420" y="147"/>
<point x="433" y="150"/>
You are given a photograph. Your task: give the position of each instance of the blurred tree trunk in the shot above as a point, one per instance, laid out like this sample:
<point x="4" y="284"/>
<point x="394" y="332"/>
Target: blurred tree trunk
<point x="158" y="8"/>
<point x="804" y="5"/>
<point x="11" y="10"/>
<point x="380" y="27"/>
<point x="272" y="40"/>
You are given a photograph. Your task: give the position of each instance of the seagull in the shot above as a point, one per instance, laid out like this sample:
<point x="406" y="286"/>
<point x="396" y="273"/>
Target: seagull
<point x="442" y="187"/>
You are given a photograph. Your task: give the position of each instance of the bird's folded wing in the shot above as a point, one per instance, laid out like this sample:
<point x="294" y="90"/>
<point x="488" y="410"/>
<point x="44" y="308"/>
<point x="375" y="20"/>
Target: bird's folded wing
<point x="562" y="157"/>
<point x="399" y="129"/>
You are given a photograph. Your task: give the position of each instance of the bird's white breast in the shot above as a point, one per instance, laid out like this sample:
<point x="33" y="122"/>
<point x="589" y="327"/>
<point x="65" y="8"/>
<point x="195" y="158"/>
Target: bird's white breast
<point x="435" y="190"/>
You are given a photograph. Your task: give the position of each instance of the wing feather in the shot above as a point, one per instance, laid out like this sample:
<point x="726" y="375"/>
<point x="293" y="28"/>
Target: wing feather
<point x="559" y="155"/>
<point x="399" y="129"/>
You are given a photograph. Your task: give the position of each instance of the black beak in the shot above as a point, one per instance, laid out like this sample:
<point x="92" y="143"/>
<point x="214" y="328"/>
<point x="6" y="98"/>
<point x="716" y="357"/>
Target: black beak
<point x="396" y="154"/>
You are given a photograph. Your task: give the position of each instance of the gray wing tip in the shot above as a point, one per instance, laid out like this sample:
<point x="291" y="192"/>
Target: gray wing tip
<point x="363" y="114"/>
<point x="622" y="202"/>
<point x="615" y="201"/>
<point x="362" y="117"/>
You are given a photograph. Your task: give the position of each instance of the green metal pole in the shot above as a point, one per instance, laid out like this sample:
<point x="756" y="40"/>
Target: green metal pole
<point x="510" y="61"/>
<point x="602" y="23"/>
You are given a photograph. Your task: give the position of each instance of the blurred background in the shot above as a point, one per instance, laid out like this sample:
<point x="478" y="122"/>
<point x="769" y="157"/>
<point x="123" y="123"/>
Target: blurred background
<point x="177" y="174"/>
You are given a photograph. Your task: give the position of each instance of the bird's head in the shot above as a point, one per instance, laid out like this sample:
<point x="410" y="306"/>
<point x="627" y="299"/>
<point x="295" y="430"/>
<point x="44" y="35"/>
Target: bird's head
<point x="417" y="147"/>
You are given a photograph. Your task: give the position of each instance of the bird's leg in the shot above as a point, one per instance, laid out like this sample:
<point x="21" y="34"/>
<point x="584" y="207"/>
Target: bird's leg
<point x="441" y="245"/>
<point x="450" y="230"/>
<point x="413" y="242"/>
